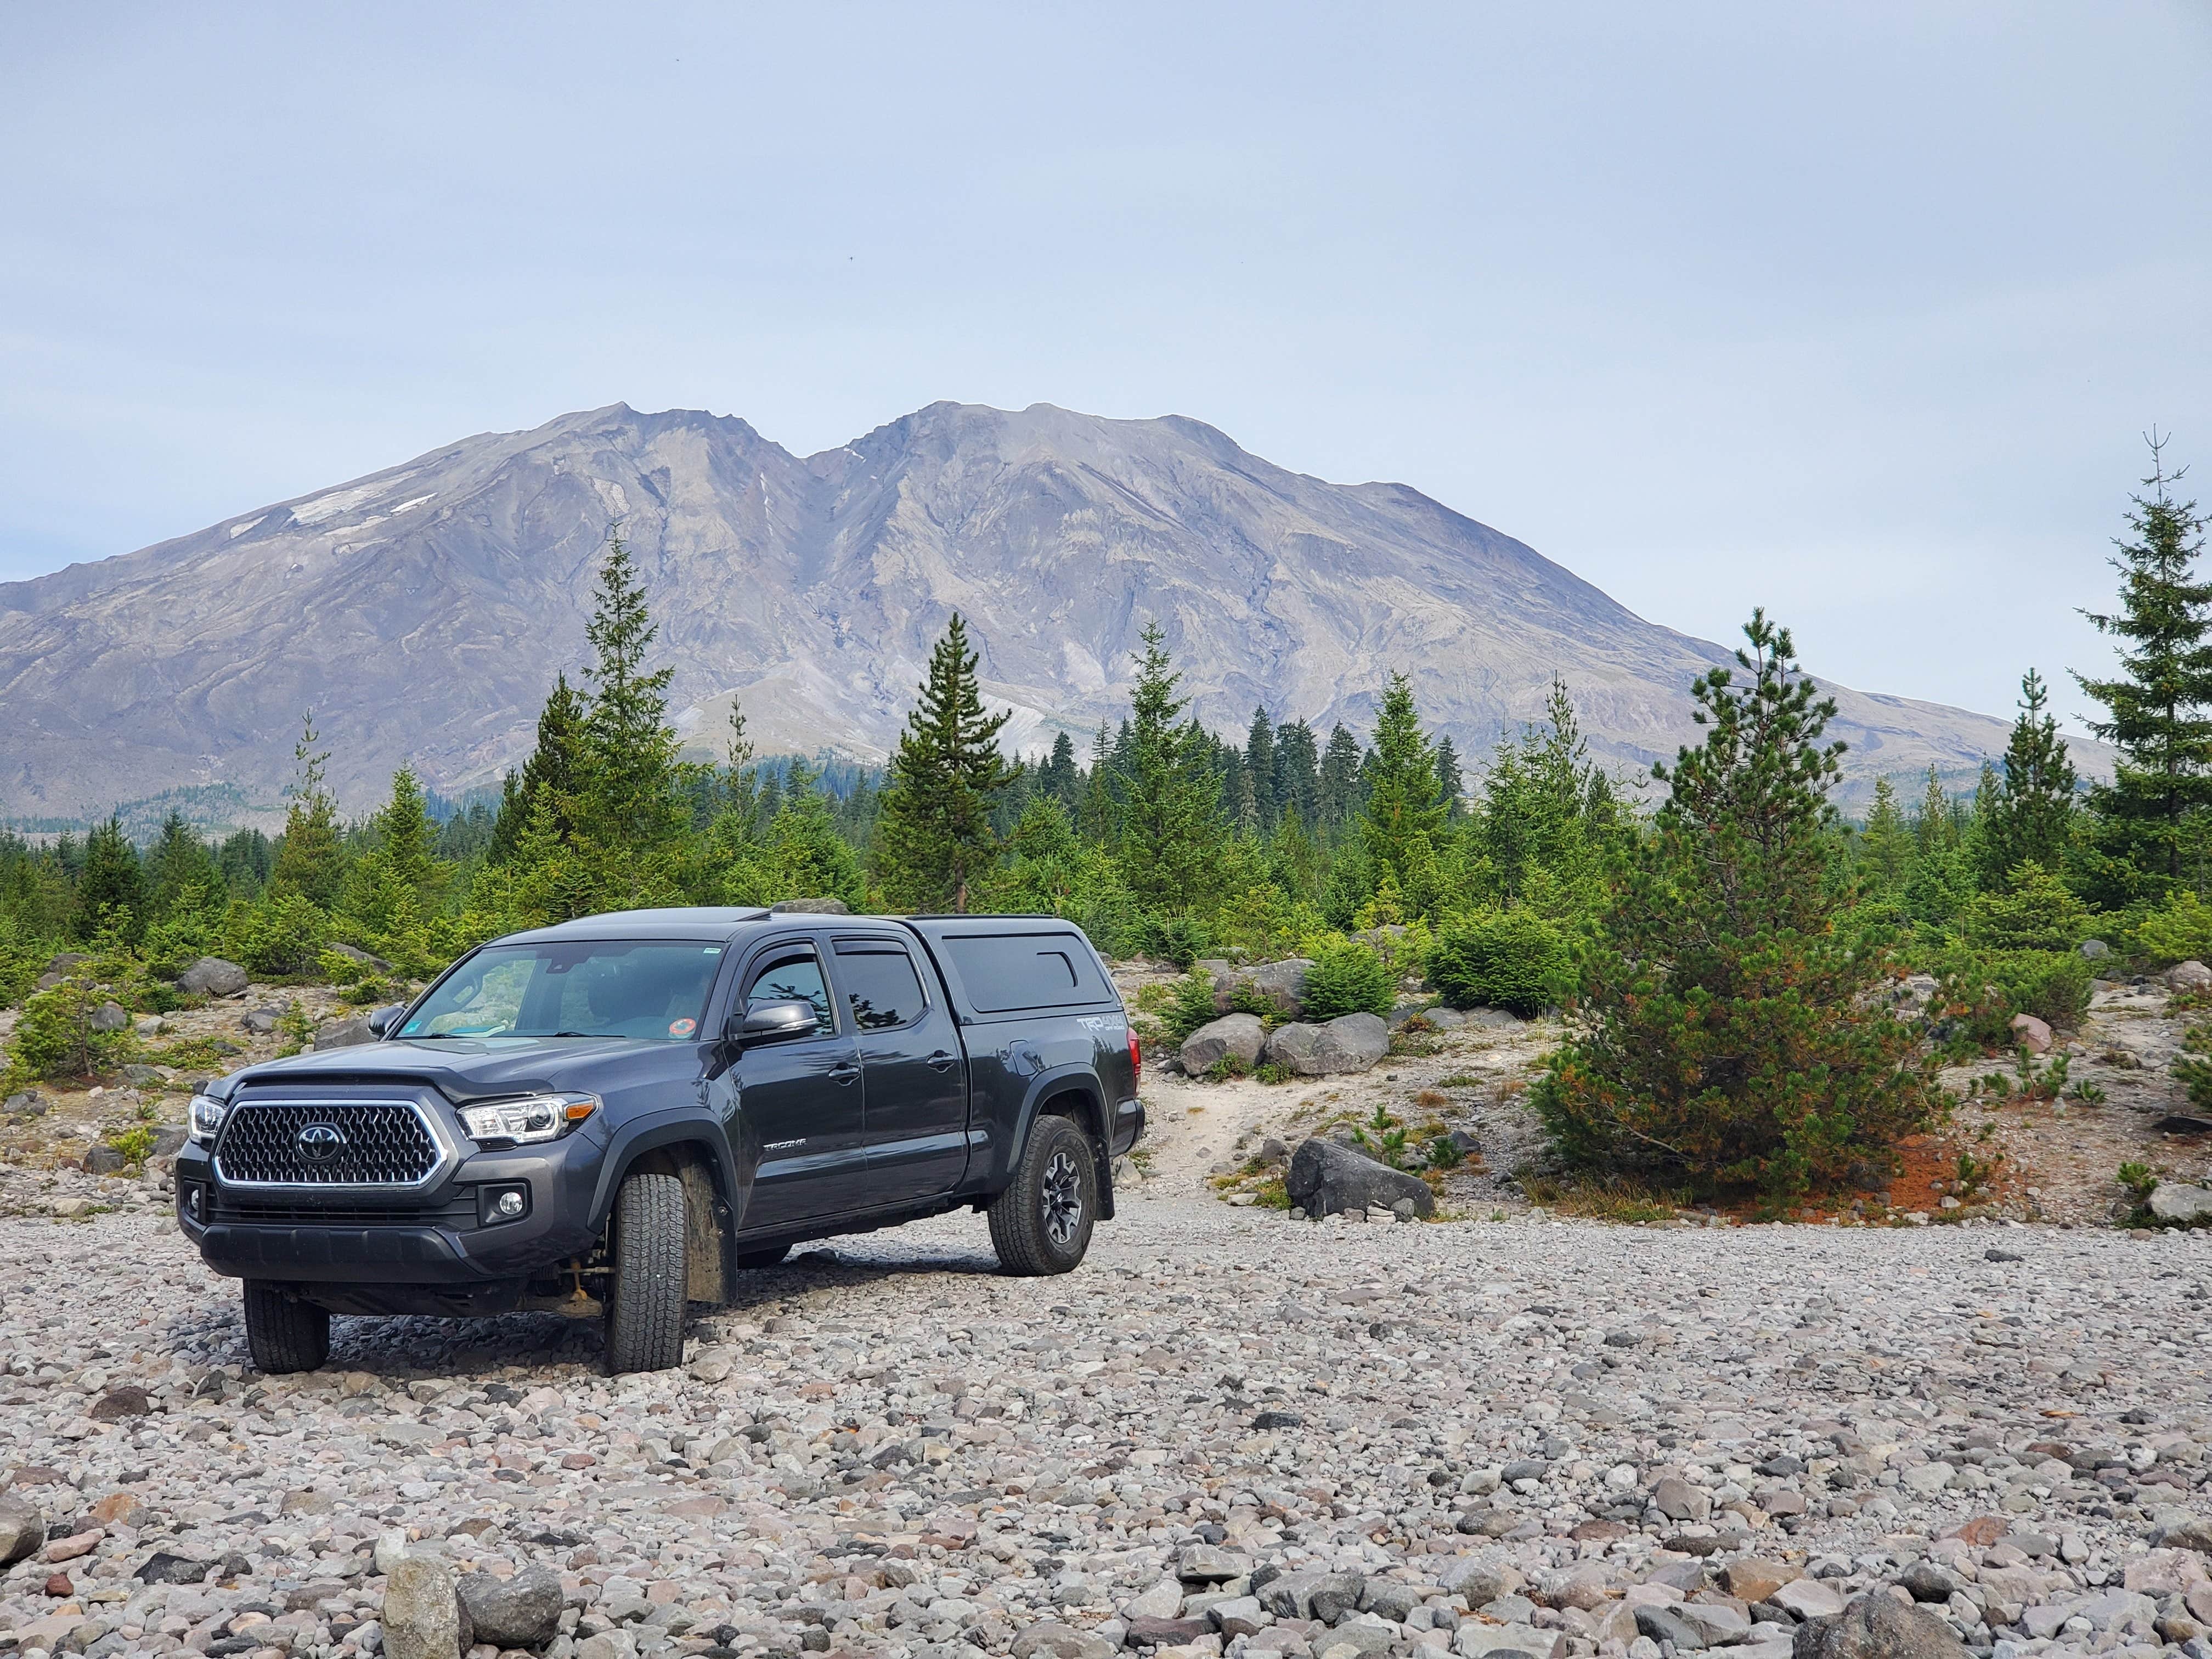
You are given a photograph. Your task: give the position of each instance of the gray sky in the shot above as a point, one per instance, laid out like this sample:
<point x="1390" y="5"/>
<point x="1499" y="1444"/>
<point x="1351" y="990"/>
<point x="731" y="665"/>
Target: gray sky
<point x="1856" y="311"/>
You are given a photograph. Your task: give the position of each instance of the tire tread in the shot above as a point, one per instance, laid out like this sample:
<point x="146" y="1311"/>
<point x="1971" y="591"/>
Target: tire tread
<point x="645" y="1317"/>
<point x="1017" y="1221"/>
<point x="284" y="1335"/>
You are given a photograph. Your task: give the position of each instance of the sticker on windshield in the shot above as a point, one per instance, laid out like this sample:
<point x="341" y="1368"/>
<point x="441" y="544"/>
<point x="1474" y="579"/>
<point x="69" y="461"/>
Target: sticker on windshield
<point x="681" y="1028"/>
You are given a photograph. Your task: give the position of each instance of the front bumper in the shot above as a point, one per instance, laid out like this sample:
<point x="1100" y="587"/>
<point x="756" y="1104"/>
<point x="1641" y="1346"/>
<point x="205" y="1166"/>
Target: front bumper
<point x="447" y="1234"/>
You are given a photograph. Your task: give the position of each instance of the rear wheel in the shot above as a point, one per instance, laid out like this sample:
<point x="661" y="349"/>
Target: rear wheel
<point x="644" y="1279"/>
<point x="753" y="1260"/>
<point x="284" y="1334"/>
<point x="1041" y="1223"/>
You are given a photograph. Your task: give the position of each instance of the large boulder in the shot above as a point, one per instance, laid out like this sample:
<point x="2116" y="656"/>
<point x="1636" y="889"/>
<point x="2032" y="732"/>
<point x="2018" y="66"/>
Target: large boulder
<point x="1282" y="985"/>
<point x="2187" y="1207"/>
<point x="342" y="1034"/>
<point x="360" y="958"/>
<point x="521" y="1611"/>
<point x="422" y="1614"/>
<point x="2190" y="977"/>
<point x="22" y="1531"/>
<point x="1878" y="1627"/>
<point x="108" y="1016"/>
<point x="1351" y="1042"/>
<point x="1325" y="1179"/>
<point x="211" y="976"/>
<point x="1240" y="1037"/>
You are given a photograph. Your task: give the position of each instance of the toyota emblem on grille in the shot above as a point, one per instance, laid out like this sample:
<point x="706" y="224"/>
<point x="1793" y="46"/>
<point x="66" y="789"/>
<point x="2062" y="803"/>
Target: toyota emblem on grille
<point x="318" y="1143"/>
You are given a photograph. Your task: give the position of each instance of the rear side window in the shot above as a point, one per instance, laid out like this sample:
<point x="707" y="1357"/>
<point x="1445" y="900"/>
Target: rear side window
<point x="1005" y="973"/>
<point x="881" y="985"/>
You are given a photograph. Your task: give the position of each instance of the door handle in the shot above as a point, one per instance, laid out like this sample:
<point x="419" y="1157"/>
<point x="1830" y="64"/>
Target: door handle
<point x="844" y="1072"/>
<point x="941" y="1061"/>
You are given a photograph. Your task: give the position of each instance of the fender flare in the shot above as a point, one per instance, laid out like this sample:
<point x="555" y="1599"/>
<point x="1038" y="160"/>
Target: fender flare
<point x="1081" y="1080"/>
<point x="654" y="1131"/>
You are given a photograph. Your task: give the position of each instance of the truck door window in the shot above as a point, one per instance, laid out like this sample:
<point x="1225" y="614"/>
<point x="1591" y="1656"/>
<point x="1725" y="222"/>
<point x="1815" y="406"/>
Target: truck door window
<point x="793" y="975"/>
<point x="881" y="985"/>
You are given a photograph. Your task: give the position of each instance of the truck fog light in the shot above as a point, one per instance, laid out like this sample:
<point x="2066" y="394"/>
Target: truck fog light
<point x="510" y="1204"/>
<point x="496" y="1205"/>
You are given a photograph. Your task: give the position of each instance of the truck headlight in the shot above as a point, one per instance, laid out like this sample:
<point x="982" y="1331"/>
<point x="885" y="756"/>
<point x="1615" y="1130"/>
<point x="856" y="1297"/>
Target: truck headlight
<point x="205" y="1121"/>
<point x="529" y="1119"/>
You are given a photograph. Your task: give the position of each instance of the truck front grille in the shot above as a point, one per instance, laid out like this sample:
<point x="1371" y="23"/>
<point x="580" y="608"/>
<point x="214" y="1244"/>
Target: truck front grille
<point x="459" y="1215"/>
<point x="326" y="1144"/>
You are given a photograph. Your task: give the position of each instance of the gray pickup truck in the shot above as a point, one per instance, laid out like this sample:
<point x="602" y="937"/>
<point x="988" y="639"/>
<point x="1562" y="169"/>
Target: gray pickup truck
<point x="619" y="1114"/>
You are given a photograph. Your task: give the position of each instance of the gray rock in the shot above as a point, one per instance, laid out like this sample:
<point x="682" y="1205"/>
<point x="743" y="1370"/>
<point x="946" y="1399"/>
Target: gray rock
<point x="22" y="1530"/>
<point x="1877" y="1626"/>
<point x="109" y="1016"/>
<point x="1209" y="1564"/>
<point x="2095" y="948"/>
<point x="1346" y="1045"/>
<point x="1054" y="1640"/>
<point x="1665" y="1624"/>
<point x="1239" y="1037"/>
<point x="211" y="976"/>
<point x="422" y="1616"/>
<point x="348" y="1033"/>
<point x="1163" y="1601"/>
<point x="360" y="957"/>
<point x="145" y="1077"/>
<point x="1386" y="1598"/>
<point x="2186" y="1205"/>
<point x="1326" y="1180"/>
<point x="1474" y="1641"/>
<point x="1808" y="1598"/>
<point x="168" y="1141"/>
<point x="104" y="1160"/>
<point x="1335" y="1595"/>
<point x="1678" y="1500"/>
<point x="1239" y="1615"/>
<point x="521" y="1611"/>
<point x="2192" y="1532"/>
<point x="261" y="1021"/>
<point x="2188" y="977"/>
<point x="1446" y="1020"/>
<point x="1364" y="1634"/>
<point x="28" y="1102"/>
<point x="163" y="1568"/>
<point x="1283" y="983"/>
<point x="1719" y="1624"/>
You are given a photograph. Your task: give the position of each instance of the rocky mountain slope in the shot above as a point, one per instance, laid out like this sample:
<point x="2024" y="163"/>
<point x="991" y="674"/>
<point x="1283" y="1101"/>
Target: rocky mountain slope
<point x="422" y="611"/>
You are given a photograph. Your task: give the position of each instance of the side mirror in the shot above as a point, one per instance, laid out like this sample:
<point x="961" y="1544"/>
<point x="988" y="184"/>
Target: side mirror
<point x="381" y="1020"/>
<point x="777" y="1021"/>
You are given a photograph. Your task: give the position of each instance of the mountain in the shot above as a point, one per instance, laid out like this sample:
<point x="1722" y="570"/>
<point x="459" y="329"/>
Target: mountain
<point x="421" y="612"/>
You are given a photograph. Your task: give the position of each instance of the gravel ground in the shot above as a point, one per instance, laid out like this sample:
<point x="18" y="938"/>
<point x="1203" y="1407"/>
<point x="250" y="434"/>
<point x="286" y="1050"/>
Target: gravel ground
<point x="1228" y="1431"/>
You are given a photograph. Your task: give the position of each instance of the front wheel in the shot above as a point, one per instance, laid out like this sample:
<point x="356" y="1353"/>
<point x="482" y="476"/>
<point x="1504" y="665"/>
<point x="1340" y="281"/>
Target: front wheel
<point x="284" y="1335"/>
<point x="644" y="1288"/>
<point x="1041" y="1223"/>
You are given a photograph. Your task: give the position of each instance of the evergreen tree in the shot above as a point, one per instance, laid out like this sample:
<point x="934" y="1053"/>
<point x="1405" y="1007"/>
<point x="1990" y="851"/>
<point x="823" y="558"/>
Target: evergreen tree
<point x="1451" y="781"/>
<point x="1260" y="763"/>
<point x="394" y="887"/>
<point x="629" y="821"/>
<point x="1339" y="784"/>
<point x="2028" y="814"/>
<point x="1170" y="831"/>
<point x="549" y="774"/>
<point x="178" y="862"/>
<point x="1548" y="812"/>
<point x="1297" y="772"/>
<point x="934" y="837"/>
<point x="110" y="888"/>
<point x="1886" y="849"/>
<point x="1729" y="1042"/>
<point x="310" y="861"/>
<point x="1058" y="778"/>
<point x="1098" y="815"/>
<point x="2159" y="708"/>
<point x="1405" y="809"/>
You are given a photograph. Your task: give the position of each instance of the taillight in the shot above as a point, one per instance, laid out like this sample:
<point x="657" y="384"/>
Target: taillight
<point x="1136" y="1058"/>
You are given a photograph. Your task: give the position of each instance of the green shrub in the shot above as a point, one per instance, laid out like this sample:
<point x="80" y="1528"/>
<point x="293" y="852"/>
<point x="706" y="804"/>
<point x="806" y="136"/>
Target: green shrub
<point x="283" y="935"/>
<point x="1192" y="1005"/>
<point x="2182" y="932"/>
<point x="54" y="1037"/>
<point x="133" y="1144"/>
<point x="1508" y="959"/>
<point x="2036" y="912"/>
<point x="2054" y="987"/>
<point x="1347" y="978"/>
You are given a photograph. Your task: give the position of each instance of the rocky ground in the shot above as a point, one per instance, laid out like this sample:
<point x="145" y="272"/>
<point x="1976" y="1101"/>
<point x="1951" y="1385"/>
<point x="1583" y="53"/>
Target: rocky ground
<point x="1228" y="1431"/>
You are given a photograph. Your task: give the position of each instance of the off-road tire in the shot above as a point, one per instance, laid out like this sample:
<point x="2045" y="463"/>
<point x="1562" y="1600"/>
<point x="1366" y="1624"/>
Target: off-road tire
<point x="1041" y="1223"/>
<point x="284" y="1335"/>
<point x="645" y="1279"/>
<point x="754" y="1260"/>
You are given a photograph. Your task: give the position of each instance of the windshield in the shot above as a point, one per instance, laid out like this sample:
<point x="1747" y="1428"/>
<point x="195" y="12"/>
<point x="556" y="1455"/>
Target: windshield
<point x="589" y="989"/>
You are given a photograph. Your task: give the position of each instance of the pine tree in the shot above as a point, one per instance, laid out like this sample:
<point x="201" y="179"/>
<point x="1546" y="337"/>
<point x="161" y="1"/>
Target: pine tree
<point x="1058" y="778"/>
<point x="1729" y="1042"/>
<point x="933" y="836"/>
<point x="2028" y="817"/>
<point x="110" y="888"/>
<point x="309" y="859"/>
<point x="1297" y="772"/>
<point x="1886" y="849"/>
<point x="628" y="820"/>
<point x="548" y="775"/>
<point x="1451" y="781"/>
<point x="394" y="886"/>
<point x="178" y="863"/>
<point x="2158" y="709"/>
<point x="1404" y="812"/>
<point x="1260" y="762"/>
<point x="1548" y="812"/>
<point x="1339" y="783"/>
<point x="1099" y="814"/>
<point x="1171" y="835"/>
